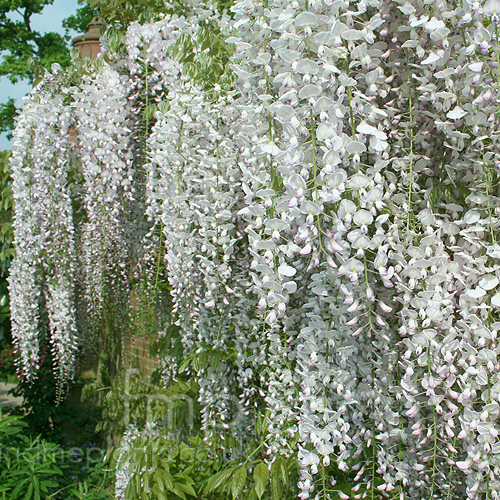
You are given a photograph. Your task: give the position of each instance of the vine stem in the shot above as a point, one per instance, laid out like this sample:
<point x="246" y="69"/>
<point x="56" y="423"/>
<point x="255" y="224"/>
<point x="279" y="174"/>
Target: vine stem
<point x="179" y="144"/>
<point x="373" y="374"/>
<point x="102" y="490"/>
<point x="498" y="55"/>
<point x="323" y="480"/>
<point x="411" y="158"/>
<point x="158" y="262"/>
<point x="351" y="110"/>
<point x="315" y="174"/>
<point x="146" y="90"/>
<point x="450" y="469"/>
<point x="217" y="255"/>
<point x="487" y="185"/>
<point x="434" y="423"/>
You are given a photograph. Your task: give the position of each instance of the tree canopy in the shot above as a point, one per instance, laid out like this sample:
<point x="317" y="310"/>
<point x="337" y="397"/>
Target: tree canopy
<point x="120" y="13"/>
<point x="26" y="52"/>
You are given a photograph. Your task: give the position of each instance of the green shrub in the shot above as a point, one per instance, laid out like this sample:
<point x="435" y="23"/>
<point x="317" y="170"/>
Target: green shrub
<point x="49" y="417"/>
<point x="165" y="455"/>
<point x="7" y="364"/>
<point x="32" y="468"/>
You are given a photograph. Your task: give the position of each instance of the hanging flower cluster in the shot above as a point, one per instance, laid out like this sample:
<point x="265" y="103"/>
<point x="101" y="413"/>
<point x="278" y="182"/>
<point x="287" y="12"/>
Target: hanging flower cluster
<point x="330" y="230"/>
<point x="102" y="125"/>
<point x="43" y="270"/>
<point x="316" y="189"/>
<point x="193" y="193"/>
<point x="152" y="73"/>
<point x="129" y="439"/>
<point x="72" y="182"/>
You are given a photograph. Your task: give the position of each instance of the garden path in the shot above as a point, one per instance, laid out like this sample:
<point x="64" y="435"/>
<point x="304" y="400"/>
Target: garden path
<point x="6" y="399"/>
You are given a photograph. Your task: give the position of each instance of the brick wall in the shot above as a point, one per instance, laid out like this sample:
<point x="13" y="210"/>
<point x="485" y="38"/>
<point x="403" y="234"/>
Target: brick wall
<point x="140" y="357"/>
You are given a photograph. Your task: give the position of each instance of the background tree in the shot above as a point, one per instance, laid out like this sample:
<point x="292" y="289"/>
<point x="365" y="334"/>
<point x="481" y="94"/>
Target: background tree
<point x="120" y="13"/>
<point x="27" y="52"/>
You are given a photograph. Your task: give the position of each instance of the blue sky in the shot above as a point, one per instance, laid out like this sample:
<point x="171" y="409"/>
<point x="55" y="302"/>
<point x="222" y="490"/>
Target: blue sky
<point x="49" y="20"/>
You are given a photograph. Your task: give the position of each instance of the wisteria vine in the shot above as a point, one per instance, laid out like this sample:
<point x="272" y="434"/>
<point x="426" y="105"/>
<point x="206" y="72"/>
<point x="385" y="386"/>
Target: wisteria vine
<point x="329" y="226"/>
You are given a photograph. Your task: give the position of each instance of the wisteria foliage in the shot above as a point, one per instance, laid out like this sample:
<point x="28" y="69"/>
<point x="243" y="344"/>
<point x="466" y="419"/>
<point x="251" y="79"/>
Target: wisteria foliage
<point x="329" y="225"/>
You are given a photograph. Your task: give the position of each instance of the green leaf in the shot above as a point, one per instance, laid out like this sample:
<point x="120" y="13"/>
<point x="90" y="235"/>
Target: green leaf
<point x="159" y="494"/>
<point x="275" y="488"/>
<point x="146" y="480"/>
<point x="218" y="480"/>
<point x="261" y="478"/>
<point x="197" y="363"/>
<point x="178" y="491"/>
<point x="238" y="481"/>
<point x="20" y="487"/>
<point x="164" y="479"/>
<point x="184" y="364"/>
<point x="279" y="470"/>
<point x="187" y="488"/>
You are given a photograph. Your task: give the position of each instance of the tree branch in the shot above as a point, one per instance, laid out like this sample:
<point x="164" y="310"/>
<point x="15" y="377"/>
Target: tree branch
<point x="27" y="19"/>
